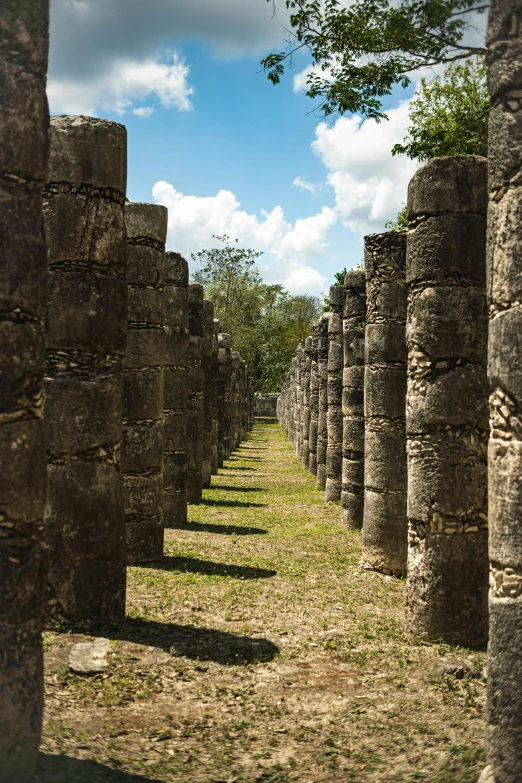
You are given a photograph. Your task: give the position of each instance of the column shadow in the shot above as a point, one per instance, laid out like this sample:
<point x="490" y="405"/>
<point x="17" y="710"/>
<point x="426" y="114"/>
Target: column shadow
<point x="192" y="565"/>
<point x="64" y="769"/>
<point x="236" y="489"/>
<point x="231" y="503"/>
<point x="190" y="641"/>
<point x="225" y="530"/>
<point x="233" y="467"/>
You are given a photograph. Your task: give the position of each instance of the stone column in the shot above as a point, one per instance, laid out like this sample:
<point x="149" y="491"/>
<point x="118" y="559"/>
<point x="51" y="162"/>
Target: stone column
<point x="175" y="402"/>
<point x="334" y="451"/>
<point x="234" y="419"/>
<point x="225" y="371"/>
<point x="314" y="405"/>
<point x="385" y="526"/>
<point x="305" y="386"/>
<point x="195" y="395"/>
<point x="322" y="423"/>
<point x="447" y="413"/>
<point x="292" y="401"/>
<point x="215" y="381"/>
<point x="143" y="375"/>
<point x="504" y="267"/>
<point x="208" y="391"/>
<point x="243" y="407"/>
<point x="23" y="284"/>
<point x="86" y="328"/>
<point x="352" y="498"/>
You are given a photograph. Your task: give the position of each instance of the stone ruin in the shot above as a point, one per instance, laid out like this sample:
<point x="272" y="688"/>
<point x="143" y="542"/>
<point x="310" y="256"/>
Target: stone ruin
<point x="422" y="443"/>
<point x="386" y="403"/>
<point x="137" y="412"/>
<point x="265" y="406"/>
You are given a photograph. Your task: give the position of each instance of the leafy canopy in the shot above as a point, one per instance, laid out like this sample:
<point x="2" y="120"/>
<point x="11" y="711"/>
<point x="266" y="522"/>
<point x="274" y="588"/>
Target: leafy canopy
<point x="449" y="115"/>
<point x="362" y="49"/>
<point x="265" y="321"/>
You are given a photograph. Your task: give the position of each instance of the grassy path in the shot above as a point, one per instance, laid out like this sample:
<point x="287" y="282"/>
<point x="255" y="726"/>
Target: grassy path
<point x="258" y="652"/>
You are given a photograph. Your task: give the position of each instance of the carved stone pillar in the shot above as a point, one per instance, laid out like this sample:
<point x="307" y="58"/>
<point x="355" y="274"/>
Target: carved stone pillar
<point x="352" y="498"/>
<point x="175" y="399"/>
<point x="86" y="329"/>
<point x="385" y="526"/>
<point x="23" y="287"/>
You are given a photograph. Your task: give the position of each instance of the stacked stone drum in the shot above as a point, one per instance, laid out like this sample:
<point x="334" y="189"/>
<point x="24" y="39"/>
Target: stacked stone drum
<point x="23" y="155"/>
<point x="352" y="497"/>
<point x="195" y="395"/>
<point x="86" y="328"/>
<point x="143" y="377"/>
<point x="385" y="522"/>
<point x="322" y="422"/>
<point x="447" y="413"/>
<point x="504" y="266"/>
<point x="175" y="391"/>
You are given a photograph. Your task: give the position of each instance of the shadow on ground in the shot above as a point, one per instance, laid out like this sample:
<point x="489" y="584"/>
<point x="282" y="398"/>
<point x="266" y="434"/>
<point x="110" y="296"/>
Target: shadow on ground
<point x="231" y="503"/>
<point x="226" y="488"/>
<point x="225" y="530"/>
<point x="234" y="467"/>
<point x="192" y="565"/>
<point x="190" y="641"/>
<point x="63" y="769"/>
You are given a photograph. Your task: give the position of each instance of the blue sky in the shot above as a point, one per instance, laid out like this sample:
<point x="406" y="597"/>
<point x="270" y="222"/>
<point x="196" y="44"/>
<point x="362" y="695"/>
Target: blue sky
<point x="220" y="146"/>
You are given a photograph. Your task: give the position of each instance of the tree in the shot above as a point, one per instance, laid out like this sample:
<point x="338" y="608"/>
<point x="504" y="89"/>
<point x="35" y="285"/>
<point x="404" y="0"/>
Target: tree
<point x="265" y="321"/>
<point x="449" y="115"/>
<point x="400" y="222"/>
<point x="230" y="278"/>
<point x="361" y="50"/>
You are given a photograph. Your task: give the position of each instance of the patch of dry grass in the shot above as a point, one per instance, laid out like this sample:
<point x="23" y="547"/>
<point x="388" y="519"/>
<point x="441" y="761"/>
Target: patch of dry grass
<point x="258" y="652"/>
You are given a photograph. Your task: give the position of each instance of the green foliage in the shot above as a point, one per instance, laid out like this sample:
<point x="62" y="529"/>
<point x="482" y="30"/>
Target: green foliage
<point x="449" y="115"/>
<point x="339" y="277"/>
<point x="400" y="222"/>
<point x="362" y="49"/>
<point x="265" y="321"/>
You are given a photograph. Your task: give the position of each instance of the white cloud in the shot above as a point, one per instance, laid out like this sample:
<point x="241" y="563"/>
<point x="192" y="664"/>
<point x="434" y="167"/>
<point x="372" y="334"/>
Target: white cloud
<point x="301" y="183"/>
<point x="126" y="82"/>
<point x="88" y="35"/>
<point x="194" y="221"/>
<point x="143" y="111"/>
<point x="370" y="185"/>
<point x="296" y="276"/>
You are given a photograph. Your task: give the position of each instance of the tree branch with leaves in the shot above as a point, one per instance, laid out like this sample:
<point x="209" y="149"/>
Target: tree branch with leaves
<point x="362" y="50"/>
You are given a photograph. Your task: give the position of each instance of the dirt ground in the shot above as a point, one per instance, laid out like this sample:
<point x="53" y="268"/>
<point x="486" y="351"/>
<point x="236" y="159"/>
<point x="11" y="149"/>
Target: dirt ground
<point x="259" y="652"/>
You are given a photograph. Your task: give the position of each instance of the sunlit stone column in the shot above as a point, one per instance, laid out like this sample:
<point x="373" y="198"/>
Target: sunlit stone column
<point x="86" y="328"/>
<point x="504" y="267"/>
<point x="225" y="362"/>
<point x="208" y="391"/>
<point x="352" y="498"/>
<point x="175" y="402"/>
<point x="234" y="420"/>
<point x="143" y="375"/>
<point x="322" y="424"/>
<point x="23" y="286"/>
<point x="334" y="451"/>
<point x="314" y="404"/>
<point x="305" y="385"/>
<point x="293" y="401"/>
<point x="195" y="395"/>
<point x="447" y="402"/>
<point x="215" y="404"/>
<point x="385" y="525"/>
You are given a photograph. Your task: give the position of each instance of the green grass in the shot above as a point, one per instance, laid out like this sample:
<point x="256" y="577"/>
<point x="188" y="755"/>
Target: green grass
<point x="225" y="672"/>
